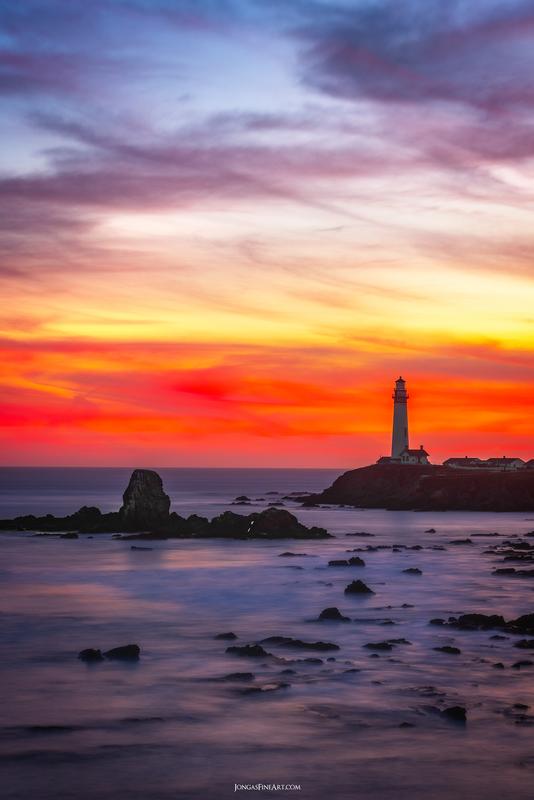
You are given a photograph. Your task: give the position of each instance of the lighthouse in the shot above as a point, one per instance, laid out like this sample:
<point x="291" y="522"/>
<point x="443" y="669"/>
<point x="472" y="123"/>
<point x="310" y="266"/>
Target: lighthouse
<point x="400" y="448"/>
<point x="399" y="439"/>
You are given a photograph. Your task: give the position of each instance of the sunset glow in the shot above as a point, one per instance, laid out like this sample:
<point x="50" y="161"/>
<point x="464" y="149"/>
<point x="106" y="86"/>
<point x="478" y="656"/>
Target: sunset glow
<point x="226" y="228"/>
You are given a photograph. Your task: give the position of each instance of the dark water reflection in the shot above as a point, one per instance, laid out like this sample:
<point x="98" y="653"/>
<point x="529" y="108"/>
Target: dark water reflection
<point x="169" y="727"/>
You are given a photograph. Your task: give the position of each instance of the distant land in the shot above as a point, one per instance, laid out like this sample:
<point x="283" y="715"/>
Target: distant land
<point x="430" y="488"/>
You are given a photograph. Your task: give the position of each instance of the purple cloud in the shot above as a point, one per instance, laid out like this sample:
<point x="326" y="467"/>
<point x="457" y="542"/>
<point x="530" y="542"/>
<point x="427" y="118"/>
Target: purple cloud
<point x="423" y="51"/>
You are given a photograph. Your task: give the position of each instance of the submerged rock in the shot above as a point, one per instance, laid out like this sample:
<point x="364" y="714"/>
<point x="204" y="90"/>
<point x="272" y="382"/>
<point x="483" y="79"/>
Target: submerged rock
<point x="230" y="635"/>
<point x="358" y="587"/>
<point x="289" y="554"/>
<point x="477" y="621"/>
<point x="266" y="687"/>
<point x="413" y="571"/>
<point x="288" y="641"/>
<point x="334" y="614"/>
<point x="145" y="504"/>
<point x="453" y="651"/>
<point x="240" y="676"/>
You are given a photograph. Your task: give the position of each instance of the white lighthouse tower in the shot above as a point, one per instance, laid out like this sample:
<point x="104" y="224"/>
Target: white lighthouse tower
<point x="400" y="447"/>
<point x="399" y="439"/>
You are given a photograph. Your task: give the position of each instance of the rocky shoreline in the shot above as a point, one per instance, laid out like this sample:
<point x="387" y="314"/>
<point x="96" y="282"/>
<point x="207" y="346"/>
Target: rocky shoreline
<point x="145" y="514"/>
<point x="429" y="488"/>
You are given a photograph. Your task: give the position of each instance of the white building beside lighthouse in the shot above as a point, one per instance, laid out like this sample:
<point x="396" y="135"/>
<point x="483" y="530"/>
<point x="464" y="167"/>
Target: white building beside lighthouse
<point x="401" y="453"/>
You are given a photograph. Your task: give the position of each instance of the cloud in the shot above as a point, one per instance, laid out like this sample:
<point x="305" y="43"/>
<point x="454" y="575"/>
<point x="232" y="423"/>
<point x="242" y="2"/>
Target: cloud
<point x="422" y="51"/>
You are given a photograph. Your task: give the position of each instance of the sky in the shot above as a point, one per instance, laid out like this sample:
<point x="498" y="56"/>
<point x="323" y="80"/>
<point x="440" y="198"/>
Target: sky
<point x="227" y="226"/>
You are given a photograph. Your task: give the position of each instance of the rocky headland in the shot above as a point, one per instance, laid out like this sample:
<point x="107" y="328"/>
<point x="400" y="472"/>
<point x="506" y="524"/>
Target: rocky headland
<point x="430" y="488"/>
<point x="145" y="514"/>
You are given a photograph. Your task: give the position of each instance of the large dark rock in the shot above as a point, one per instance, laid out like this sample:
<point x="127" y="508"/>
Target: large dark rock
<point x="145" y="504"/>
<point x="523" y="625"/>
<point x="276" y="523"/>
<point x="128" y="652"/>
<point x="229" y="524"/>
<point x="428" y="487"/>
<point x="477" y="621"/>
<point x="273" y="523"/>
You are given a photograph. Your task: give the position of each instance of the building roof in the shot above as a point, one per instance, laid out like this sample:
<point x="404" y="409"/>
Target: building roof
<point x="503" y="460"/>
<point x="414" y="451"/>
<point x="463" y="460"/>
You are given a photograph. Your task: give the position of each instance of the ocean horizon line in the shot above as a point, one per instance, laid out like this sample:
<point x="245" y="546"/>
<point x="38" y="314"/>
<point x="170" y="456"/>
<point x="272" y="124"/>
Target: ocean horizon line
<point x="130" y="466"/>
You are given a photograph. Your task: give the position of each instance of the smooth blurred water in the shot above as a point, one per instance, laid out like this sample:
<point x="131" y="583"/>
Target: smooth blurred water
<point x="168" y="727"/>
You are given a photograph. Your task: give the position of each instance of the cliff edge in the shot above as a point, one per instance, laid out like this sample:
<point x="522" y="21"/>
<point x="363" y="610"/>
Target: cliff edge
<point x="432" y="488"/>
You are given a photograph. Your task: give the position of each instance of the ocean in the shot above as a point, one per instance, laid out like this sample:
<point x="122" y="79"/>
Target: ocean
<point x="353" y="723"/>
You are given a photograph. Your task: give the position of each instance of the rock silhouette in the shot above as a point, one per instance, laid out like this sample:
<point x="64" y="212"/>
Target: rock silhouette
<point x="429" y="487"/>
<point x="358" y="587"/>
<point x="332" y="613"/>
<point x="145" y="515"/>
<point x="145" y="504"/>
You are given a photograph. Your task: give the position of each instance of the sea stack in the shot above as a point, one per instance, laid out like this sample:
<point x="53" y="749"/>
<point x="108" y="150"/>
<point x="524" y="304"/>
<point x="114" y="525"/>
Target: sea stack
<point x="145" y="504"/>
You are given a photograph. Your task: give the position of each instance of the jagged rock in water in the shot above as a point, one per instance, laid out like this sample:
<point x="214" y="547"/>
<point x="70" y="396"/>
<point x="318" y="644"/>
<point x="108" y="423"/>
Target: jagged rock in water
<point x="145" y="504"/>
<point x="239" y="676"/>
<point x="358" y="587"/>
<point x="332" y="613"/>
